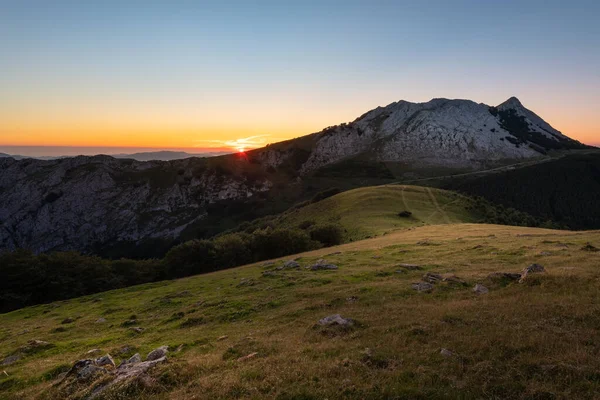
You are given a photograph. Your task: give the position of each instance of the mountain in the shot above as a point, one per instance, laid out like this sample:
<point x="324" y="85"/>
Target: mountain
<point x="441" y="132"/>
<point x="166" y="155"/>
<point x="113" y="206"/>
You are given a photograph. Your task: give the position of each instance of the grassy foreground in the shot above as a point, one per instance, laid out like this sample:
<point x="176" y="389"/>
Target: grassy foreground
<point x="537" y="339"/>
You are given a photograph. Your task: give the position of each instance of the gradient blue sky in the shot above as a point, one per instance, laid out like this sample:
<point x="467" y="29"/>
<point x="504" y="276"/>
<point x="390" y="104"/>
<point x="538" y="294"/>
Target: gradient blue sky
<point x="194" y="74"/>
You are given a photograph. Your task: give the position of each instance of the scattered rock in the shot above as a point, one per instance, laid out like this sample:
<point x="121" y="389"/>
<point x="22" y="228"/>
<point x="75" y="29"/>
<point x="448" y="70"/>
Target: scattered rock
<point x="89" y="371"/>
<point x="447" y="353"/>
<point x="432" y="278"/>
<point x="532" y="269"/>
<point x="336" y="319"/>
<point x="68" y="320"/>
<point x="453" y="279"/>
<point x="377" y="257"/>
<point x="322" y="264"/>
<point x="291" y="264"/>
<point x="269" y="273"/>
<point x="352" y="299"/>
<point x="157" y="353"/>
<point x="335" y="253"/>
<point x="400" y="271"/>
<point x="480" y="289"/>
<point x="479" y="246"/>
<point x="105" y="360"/>
<point x="243" y="282"/>
<point x="101" y="320"/>
<point x="268" y="263"/>
<point x="247" y="357"/>
<point x="130" y="322"/>
<point x="11" y="359"/>
<point x="136" y="358"/>
<point x="545" y="253"/>
<point x="221" y="338"/>
<point x="137" y="329"/>
<point x="422" y="286"/>
<point x="589" y="247"/>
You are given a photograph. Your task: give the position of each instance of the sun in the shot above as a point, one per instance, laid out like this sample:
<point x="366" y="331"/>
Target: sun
<point x="241" y="149"/>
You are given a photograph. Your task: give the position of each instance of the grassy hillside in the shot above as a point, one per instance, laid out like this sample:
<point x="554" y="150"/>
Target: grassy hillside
<point x="536" y="339"/>
<point x="371" y="211"/>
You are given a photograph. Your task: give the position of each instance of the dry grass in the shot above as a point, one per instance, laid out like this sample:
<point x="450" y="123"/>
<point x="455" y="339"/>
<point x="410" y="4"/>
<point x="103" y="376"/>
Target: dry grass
<point x="539" y="339"/>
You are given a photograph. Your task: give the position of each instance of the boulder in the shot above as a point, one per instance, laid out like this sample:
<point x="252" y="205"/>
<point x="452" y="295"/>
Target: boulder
<point x="157" y="353"/>
<point x="134" y="359"/>
<point x="321" y="265"/>
<point x="11" y="359"/>
<point x="89" y="371"/>
<point x="590" y="247"/>
<point x="291" y="264"/>
<point x="447" y="353"/>
<point x="532" y="269"/>
<point x="101" y="320"/>
<point x="453" y="279"/>
<point x="336" y="320"/>
<point x="105" y="360"/>
<point x="480" y="289"/>
<point x="432" y="278"/>
<point x="422" y="286"/>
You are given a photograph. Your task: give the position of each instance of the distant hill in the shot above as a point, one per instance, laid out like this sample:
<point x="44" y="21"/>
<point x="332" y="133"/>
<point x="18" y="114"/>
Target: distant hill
<point x="144" y="156"/>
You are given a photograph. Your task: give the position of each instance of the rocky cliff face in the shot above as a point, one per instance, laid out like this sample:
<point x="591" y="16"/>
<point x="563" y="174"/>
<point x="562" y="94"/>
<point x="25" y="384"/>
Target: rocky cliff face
<point x="78" y="203"/>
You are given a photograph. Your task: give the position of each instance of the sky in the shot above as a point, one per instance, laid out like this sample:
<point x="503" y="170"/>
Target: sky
<point x="192" y="75"/>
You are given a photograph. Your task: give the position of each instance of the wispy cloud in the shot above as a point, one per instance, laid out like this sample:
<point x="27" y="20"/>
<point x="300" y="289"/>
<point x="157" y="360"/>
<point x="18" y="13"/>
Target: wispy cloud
<point x="250" y="142"/>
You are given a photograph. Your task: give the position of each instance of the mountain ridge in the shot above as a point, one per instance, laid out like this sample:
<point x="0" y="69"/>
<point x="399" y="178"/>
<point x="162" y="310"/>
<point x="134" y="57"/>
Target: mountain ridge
<point x="81" y="203"/>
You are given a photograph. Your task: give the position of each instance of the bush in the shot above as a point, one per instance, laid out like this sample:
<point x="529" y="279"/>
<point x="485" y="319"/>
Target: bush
<point x="327" y="234"/>
<point x="405" y="214"/>
<point x="272" y="243"/>
<point x="191" y="258"/>
<point x="233" y="249"/>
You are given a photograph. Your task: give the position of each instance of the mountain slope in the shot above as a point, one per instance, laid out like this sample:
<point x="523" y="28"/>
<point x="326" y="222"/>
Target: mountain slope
<point x="566" y="190"/>
<point x="252" y="332"/>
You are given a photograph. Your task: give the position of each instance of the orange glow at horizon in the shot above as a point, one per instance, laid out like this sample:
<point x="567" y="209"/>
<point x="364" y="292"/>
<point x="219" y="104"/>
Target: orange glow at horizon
<point x="219" y="128"/>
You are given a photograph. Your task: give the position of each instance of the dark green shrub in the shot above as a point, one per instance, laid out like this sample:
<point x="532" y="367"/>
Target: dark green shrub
<point x="327" y="234"/>
<point x="191" y="258"/>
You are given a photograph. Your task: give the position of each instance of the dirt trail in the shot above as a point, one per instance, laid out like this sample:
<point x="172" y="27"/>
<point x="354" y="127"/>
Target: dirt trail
<point x="437" y="205"/>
